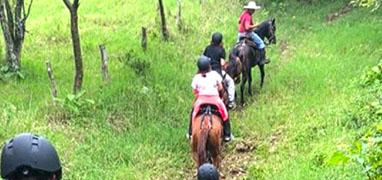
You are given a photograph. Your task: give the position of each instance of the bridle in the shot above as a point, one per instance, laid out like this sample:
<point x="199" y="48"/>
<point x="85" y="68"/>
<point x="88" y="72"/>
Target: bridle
<point x="271" y="32"/>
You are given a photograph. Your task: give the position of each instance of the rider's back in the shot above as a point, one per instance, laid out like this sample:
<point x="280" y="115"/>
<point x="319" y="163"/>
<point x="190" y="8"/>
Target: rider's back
<point x="206" y="84"/>
<point x="216" y="53"/>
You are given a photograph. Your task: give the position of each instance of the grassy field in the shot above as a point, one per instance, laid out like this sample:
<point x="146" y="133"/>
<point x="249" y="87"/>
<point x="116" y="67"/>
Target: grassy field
<point x="135" y="128"/>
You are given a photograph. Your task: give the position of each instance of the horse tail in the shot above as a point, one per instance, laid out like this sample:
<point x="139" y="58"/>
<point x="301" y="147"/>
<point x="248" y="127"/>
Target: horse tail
<point x="202" y="145"/>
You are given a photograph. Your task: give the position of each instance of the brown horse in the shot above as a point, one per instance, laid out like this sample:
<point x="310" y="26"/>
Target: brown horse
<point x="206" y="138"/>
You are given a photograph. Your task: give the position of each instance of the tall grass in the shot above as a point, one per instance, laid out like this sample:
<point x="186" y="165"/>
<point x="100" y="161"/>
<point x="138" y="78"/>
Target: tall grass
<point x="135" y="129"/>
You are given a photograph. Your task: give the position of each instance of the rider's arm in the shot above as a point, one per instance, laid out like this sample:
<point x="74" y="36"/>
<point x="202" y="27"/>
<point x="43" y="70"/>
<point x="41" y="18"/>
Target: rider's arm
<point x="222" y="57"/>
<point x="255" y="26"/>
<point x="248" y="26"/>
<point x="220" y="86"/>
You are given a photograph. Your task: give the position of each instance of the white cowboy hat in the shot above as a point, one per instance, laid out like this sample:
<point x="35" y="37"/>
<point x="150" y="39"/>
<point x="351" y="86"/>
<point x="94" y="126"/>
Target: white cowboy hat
<point x="252" y="5"/>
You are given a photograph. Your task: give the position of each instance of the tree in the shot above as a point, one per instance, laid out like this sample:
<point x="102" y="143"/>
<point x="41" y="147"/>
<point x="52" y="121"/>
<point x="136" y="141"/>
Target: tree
<point x="76" y="44"/>
<point x="12" y="18"/>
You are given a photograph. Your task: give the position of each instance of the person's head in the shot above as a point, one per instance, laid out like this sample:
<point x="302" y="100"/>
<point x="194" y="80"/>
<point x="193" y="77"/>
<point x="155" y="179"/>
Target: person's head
<point x="217" y="39"/>
<point x="251" y="7"/>
<point x="30" y="157"/>
<point x="208" y="172"/>
<point x="203" y="64"/>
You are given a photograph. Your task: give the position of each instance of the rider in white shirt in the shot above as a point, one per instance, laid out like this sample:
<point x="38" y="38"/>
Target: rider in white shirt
<point x="206" y="85"/>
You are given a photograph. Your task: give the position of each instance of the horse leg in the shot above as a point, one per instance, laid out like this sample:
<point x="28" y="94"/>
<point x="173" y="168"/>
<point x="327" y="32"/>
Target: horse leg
<point x="194" y="153"/>
<point x="249" y="81"/>
<point x="215" y="141"/>
<point x="262" y="73"/>
<point x="244" y="80"/>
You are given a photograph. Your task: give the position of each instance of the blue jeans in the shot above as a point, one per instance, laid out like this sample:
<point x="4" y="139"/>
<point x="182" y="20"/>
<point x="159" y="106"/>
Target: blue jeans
<point x="254" y="37"/>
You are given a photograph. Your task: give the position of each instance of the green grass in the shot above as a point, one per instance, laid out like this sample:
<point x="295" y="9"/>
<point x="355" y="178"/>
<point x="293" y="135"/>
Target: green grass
<point x="136" y="128"/>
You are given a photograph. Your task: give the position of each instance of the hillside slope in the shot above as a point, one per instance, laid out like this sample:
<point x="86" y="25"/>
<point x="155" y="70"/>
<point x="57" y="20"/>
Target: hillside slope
<point x="135" y="128"/>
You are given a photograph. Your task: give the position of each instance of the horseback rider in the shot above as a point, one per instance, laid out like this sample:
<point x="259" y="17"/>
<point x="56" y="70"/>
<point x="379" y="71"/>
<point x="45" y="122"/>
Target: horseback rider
<point x="246" y="27"/>
<point x="216" y="52"/>
<point x="206" y="85"/>
<point x="208" y="171"/>
<point x="31" y="157"/>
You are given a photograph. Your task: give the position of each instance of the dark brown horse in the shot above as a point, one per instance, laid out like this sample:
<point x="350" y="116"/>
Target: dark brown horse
<point x="249" y="56"/>
<point x="206" y="137"/>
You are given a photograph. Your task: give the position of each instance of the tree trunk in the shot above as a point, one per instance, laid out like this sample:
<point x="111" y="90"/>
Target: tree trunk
<point x="77" y="52"/>
<point x="13" y="26"/>
<point x="163" y="20"/>
<point x="76" y="44"/>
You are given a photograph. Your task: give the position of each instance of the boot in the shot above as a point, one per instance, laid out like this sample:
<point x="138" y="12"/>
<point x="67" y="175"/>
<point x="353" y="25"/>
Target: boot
<point x="263" y="59"/>
<point x="190" y="126"/>
<point x="227" y="130"/>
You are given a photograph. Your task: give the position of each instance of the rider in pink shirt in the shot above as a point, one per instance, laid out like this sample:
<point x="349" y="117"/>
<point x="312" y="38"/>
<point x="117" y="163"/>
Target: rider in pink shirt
<point x="246" y="27"/>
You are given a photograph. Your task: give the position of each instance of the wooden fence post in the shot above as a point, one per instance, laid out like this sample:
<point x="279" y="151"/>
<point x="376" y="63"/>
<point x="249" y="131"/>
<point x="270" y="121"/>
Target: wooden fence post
<point x="179" y="22"/>
<point x="144" y="39"/>
<point x="104" y="61"/>
<point x="53" y="84"/>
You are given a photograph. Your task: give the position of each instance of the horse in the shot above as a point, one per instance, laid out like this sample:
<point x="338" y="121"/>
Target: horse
<point x="206" y="140"/>
<point x="248" y="56"/>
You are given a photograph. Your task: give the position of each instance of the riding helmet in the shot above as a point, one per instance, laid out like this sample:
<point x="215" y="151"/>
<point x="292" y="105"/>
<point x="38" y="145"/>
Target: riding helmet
<point x="203" y="63"/>
<point x="30" y="152"/>
<point x="208" y="171"/>
<point x="217" y="38"/>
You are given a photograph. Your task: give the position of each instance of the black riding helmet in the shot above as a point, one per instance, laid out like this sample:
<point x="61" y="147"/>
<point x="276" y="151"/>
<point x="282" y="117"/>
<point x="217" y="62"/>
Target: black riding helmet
<point x="203" y="63"/>
<point x="217" y="38"/>
<point x="30" y="152"/>
<point x="208" y="172"/>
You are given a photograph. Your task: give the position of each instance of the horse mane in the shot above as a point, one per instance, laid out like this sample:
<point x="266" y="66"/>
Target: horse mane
<point x="262" y="28"/>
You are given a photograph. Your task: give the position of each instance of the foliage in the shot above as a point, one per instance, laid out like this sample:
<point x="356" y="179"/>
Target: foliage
<point x="136" y="122"/>
<point x="375" y="4"/>
<point x="366" y="150"/>
<point x="6" y="73"/>
<point x="373" y="76"/>
<point x="75" y="104"/>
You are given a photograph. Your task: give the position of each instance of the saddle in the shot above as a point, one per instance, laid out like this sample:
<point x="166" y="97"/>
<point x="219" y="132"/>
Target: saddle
<point x="209" y="108"/>
<point x="247" y="40"/>
<point x="216" y="108"/>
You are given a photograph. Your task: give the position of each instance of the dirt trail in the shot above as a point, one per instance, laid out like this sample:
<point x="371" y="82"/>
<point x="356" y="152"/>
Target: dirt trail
<point x="236" y="158"/>
<point x="343" y="11"/>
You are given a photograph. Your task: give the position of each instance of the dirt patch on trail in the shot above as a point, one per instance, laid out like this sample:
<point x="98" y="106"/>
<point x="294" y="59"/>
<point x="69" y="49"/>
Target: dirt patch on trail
<point x="284" y="49"/>
<point x="343" y="11"/>
<point x="237" y="156"/>
<point x="236" y="163"/>
<point x="275" y="138"/>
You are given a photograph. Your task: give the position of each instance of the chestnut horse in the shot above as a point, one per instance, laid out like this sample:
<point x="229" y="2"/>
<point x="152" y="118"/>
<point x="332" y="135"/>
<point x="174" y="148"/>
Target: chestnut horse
<point x="206" y="137"/>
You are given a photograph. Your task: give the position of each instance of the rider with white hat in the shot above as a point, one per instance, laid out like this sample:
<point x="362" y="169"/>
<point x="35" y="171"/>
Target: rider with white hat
<point x="247" y="25"/>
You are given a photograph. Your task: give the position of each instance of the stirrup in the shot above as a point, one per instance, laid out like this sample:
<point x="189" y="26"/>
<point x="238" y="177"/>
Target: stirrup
<point x="228" y="138"/>
<point x="232" y="105"/>
<point x="265" y="61"/>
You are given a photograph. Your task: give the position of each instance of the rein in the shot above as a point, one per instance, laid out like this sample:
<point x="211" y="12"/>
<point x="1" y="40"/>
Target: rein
<point x="207" y="112"/>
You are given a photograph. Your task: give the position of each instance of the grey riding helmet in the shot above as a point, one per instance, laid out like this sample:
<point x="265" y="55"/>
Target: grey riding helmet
<point x="31" y="152"/>
<point x="217" y="38"/>
<point x="208" y="171"/>
<point x="203" y="63"/>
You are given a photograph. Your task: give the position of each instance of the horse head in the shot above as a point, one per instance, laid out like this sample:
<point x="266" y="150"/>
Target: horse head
<point x="234" y="65"/>
<point x="271" y="33"/>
